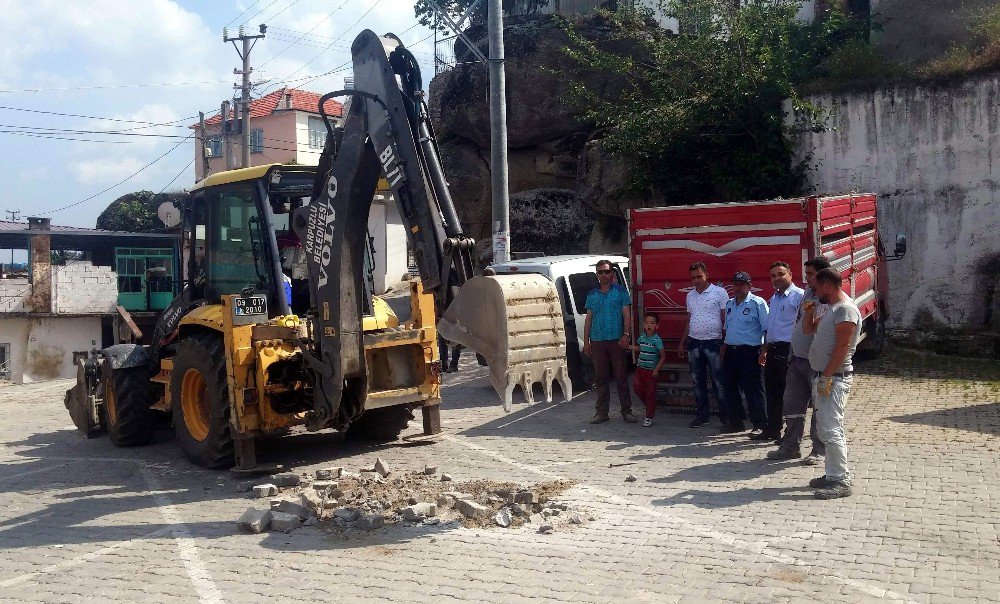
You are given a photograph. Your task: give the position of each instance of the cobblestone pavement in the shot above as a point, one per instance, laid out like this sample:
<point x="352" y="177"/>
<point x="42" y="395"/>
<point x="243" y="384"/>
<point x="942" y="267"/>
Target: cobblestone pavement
<point x="707" y="519"/>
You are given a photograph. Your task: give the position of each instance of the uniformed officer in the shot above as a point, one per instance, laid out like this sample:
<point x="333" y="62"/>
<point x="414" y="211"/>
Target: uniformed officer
<point x="746" y="322"/>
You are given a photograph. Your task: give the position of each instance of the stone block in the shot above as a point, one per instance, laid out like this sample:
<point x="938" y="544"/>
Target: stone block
<point x="370" y="522"/>
<point x="381" y="468"/>
<point x="265" y="490"/>
<point x="284" y="523"/>
<point x="329" y="473"/>
<point x="286" y="479"/>
<point x="254" y="520"/>
<point x="471" y="509"/>
<point x="291" y="507"/>
<point x="525" y="497"/>
<point x="504" y="517"/>
<point x="418" y="511"/>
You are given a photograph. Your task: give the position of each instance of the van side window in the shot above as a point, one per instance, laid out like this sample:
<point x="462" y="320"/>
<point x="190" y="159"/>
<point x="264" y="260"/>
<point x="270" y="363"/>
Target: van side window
<point x="581" y="284"/>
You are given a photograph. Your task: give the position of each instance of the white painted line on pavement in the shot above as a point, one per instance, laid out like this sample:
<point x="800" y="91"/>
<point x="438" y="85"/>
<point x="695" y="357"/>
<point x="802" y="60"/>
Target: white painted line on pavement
<point x="553" y="406"/>
<point x="760" y="547"/>
<point x="35" y="471"/>
<point x="208" y="592"/>
<point x="84" y="558"/>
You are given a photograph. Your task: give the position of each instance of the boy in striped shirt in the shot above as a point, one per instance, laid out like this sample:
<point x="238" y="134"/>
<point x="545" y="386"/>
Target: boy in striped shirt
<point x="650" y="357"/>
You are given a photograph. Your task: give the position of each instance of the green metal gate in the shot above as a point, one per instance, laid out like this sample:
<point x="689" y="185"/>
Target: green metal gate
<point x="145" y="277"/>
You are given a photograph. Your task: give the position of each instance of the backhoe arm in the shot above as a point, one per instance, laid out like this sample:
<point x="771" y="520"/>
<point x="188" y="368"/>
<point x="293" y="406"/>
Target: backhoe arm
<point x="386" y="132"/>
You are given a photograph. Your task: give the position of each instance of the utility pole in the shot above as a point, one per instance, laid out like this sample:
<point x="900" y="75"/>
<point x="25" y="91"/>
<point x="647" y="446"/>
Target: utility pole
<point x="248" y="43"/>
<point x="498" y="135"/>
<point x="14" y="216"/>
<point x="227" y="145"/>
<point x="205" y="166"/>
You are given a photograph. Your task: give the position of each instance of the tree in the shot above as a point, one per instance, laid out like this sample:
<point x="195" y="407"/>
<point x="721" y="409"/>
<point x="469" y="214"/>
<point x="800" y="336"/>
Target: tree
<point x="135" y="212"/>
<point x="699" y="117"/>
<point x="456" y="8"/>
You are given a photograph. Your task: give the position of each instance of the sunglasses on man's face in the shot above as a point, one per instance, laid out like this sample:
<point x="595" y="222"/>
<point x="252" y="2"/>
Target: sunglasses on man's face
<point x="603" y="272"/>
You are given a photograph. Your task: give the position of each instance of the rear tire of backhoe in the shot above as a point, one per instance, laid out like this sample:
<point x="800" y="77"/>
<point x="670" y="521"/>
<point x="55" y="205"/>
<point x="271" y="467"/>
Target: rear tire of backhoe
<point x="382" y="425"/>
<point x="126" y="411"/>
<point x="200" y="398"/>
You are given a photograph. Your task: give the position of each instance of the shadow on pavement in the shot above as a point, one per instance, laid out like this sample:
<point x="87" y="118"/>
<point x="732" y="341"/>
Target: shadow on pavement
<point x="92" y="492"/>
<point x="984" y="418"/>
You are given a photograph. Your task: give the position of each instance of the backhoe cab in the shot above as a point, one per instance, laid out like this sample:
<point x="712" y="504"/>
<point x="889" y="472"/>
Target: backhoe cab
<point x="276" y="324"/>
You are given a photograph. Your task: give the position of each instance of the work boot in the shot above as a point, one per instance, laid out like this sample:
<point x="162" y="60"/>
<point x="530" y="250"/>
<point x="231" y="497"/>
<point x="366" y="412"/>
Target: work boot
<point x="453" y="368"/>
<point x="628" y="417"/>
<point x="733" y="428"/>
<point x="836" y="490"/>
<point x="600" y="418"/>
<point x="820" y="483"/>
<point x="814" y="458"/>
<point x="784" y="454"/>
<point x="698" y="423"/>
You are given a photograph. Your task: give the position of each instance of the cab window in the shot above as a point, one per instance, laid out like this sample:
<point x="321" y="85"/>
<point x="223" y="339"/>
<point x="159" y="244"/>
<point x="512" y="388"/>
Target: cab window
<point x="238" y="257"/>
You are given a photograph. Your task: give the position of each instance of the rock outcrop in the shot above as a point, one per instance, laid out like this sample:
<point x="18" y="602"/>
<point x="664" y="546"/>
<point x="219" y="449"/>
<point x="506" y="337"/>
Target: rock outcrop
<point x="561" y="183"/>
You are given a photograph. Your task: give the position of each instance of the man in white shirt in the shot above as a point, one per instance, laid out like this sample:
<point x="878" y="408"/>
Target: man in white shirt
<point x="783" y="306"/>
<point x="702" y="340"/>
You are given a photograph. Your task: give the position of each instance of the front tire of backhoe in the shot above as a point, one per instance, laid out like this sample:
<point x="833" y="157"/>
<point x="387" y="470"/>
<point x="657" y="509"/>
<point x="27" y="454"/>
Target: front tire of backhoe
<point x="126" y="410"/>
<point x="200" y="398"/>
<point x="382" y="425"/>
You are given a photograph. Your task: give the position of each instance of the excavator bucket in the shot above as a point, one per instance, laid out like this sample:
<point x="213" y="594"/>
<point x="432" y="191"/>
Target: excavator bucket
<point x="516" y="323"/>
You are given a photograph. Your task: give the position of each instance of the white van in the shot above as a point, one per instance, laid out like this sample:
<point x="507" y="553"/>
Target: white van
<point x="574" y="277"/>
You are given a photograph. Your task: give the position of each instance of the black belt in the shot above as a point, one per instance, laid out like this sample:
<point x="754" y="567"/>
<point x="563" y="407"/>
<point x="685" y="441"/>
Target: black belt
<point x="842" y="374"/>
<point x="743" y="345"/>
<point x="778" y="344"/>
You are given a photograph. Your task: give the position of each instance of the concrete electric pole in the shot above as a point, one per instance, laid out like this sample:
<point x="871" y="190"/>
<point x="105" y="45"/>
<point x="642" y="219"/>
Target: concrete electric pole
<point x="248" y="42"/>
<point x="498" y="135"/>
<point x="498" y="114"/>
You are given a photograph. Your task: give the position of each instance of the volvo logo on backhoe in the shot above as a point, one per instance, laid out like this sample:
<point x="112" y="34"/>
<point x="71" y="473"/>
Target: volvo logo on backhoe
<point x="319" y="235"/>
<point x="392" y="172"/>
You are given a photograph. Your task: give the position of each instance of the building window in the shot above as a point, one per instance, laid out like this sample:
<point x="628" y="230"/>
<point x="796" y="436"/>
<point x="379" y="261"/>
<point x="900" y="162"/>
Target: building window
<point x="317" y="133"/>
<point x="213" y="146"/>
<point x="256" y="141"/>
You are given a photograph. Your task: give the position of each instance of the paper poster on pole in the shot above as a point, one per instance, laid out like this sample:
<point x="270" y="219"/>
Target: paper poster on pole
<point x="500" y="250"/>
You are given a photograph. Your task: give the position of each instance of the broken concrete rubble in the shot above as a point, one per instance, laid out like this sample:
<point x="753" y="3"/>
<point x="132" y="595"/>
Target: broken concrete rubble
<point x="381" y="468"/>
<point x="504" y="517"/>
<point x="430" y="470"/>
<point x="446" y="478"/>
<point x="347" y="514"/>
<point x="631" y="478"/>
<point x="526" y="497"/>
<point x="254" y="520"/>
<point x="545" y="529"/>
<point x="370" y="522"/>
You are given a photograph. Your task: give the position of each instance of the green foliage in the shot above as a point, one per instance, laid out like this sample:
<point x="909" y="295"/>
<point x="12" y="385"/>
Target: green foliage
<point x="699" y="115"/>
<point x="456" y="8"/>
<point x="134" y="212"/>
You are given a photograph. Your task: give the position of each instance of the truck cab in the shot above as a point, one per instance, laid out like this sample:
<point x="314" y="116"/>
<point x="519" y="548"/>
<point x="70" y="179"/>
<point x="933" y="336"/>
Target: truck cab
<point x="574" y="276"/>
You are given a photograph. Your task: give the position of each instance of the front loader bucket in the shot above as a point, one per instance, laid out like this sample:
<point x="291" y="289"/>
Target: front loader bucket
<point x="516" y="323"/>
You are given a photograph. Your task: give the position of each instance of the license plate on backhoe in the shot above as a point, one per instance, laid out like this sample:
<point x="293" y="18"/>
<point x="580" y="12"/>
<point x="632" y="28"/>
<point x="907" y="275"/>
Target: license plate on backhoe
<point x="252" y="305"/>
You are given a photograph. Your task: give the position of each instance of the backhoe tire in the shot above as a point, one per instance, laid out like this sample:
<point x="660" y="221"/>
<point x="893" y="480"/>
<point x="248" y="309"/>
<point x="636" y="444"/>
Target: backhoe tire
<point x="199" y="395"/>
<point x="126" y="411"/>
<point x="382" y="425"/>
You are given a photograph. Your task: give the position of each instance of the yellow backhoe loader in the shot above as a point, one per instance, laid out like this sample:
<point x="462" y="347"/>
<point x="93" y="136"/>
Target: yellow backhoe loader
<point x="276" y="326"/>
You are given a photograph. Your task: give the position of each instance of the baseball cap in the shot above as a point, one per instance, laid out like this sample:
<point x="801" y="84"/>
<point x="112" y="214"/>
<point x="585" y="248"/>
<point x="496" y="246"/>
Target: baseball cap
<point x="741" y="277"/>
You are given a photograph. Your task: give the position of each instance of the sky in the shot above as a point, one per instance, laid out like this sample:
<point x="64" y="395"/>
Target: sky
<point x="152" y="65"/>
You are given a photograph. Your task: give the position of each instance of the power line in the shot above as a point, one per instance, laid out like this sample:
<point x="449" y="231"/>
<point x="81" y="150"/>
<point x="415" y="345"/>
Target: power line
<point x="94" y="117"/>
<point x="310" y="61"/>
<point x="110" y="86"/>
<point x="321" y="22"/>
<point x="243" y="12"/>
<point x="270" y="4"/>
<point x="274" y="16"/>
<point x="124" y="180"/>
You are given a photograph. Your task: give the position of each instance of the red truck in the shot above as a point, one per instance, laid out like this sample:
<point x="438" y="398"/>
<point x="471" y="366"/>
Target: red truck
<point x="749" y="236"/>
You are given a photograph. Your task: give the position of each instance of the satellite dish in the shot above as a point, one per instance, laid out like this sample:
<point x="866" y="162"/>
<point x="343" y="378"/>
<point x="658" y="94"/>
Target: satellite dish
<point x="169" y="214"/>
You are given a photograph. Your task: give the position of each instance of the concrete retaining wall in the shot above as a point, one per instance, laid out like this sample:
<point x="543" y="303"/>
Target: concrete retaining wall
<point x="933" y="158"/>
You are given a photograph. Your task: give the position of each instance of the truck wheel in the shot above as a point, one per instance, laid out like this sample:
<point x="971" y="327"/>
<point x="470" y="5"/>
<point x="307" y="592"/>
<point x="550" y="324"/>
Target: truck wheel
<point x="874" y="343"/>
<point x="126" y="410"/>
<point x="200" y="399"/>
<point x="381" y="425"/>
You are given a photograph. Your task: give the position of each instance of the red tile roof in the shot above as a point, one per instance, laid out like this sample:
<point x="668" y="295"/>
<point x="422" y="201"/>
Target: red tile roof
<point x="301" y="100"/>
